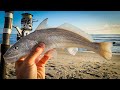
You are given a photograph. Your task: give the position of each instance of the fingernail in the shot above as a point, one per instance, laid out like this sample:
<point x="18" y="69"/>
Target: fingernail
<point x="39" y="47"/>
<point x="42" y="45"/>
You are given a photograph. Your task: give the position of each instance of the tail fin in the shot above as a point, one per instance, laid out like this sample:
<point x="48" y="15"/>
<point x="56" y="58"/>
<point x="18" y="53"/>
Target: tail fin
<point x="105" y="50"/>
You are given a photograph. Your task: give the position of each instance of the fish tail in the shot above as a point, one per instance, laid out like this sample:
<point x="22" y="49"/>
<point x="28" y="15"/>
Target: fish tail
<point x="105" y="50"/>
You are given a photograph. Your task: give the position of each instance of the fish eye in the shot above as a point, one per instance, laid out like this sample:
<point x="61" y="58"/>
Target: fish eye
<point x="16" y="47"/>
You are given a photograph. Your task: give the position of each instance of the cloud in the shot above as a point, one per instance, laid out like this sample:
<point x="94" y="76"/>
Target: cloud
<point x="105" y="29"/>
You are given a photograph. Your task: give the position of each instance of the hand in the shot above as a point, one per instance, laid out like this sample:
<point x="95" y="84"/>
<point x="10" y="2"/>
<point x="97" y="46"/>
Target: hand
<point x="32" y="66"/>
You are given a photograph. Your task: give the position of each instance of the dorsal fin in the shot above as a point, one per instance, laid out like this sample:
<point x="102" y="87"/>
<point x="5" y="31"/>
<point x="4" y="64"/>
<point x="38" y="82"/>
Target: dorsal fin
<point x="42" y="25"/>
<point x="74" y="29"/>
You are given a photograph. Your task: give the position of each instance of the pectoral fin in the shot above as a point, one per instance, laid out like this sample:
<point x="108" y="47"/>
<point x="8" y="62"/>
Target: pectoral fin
<point x="72" y="51"/>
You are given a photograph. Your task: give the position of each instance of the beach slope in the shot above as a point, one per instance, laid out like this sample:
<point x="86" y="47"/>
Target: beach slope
<point x="84" y="65"/>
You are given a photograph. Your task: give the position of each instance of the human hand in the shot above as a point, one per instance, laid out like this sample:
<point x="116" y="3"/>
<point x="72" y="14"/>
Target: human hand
<point x="32" y="66"/>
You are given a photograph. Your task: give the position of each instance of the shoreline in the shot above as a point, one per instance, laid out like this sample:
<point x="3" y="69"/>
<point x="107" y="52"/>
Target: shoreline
<point x="114" y="53"/>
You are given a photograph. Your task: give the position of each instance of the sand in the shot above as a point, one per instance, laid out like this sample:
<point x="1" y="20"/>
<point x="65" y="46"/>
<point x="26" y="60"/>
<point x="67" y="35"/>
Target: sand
<point x="84" y="65"/>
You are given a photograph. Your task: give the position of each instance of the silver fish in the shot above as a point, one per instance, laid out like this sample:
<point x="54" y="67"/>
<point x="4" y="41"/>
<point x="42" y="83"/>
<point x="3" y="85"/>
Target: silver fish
<point x="64" y="36"/>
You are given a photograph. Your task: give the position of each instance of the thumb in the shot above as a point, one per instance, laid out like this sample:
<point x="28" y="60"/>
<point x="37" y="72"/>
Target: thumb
<point x="34" y="54"/>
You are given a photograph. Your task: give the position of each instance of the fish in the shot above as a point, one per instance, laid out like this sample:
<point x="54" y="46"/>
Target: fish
<point x="65" y="36"/>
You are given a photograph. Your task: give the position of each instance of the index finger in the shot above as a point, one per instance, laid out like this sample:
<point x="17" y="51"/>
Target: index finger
<point x="45" y="58"/>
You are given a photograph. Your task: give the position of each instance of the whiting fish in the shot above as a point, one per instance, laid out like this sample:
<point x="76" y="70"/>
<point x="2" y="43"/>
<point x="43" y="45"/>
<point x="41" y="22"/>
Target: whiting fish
<point x="64" y="36"/>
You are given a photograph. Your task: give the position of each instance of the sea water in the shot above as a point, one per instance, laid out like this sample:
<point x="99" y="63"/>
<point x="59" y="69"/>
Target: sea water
<point x="114" y="38"/>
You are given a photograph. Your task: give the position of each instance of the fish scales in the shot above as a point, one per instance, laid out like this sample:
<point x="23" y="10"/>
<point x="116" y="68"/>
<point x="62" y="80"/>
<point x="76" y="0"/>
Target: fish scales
<point x="60" y="38"/>
<point x="53" y="38"/>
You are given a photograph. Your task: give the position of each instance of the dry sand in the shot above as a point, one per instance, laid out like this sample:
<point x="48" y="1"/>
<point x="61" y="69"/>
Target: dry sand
<point x="84" y="65"/>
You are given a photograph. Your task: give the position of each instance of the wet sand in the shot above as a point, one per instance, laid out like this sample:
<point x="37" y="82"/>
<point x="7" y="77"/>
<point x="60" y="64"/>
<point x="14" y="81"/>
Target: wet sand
<point x="84" y="65"/>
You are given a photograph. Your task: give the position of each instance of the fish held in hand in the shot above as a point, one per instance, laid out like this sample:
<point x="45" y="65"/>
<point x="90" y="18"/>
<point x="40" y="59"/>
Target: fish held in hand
<point x="65" y="36"/>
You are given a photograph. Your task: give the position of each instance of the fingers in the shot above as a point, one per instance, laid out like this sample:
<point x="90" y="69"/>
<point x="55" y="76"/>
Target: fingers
<point x="45" y="58"/>
<point x="34" y="54"/>
<point x="38" y="59"/>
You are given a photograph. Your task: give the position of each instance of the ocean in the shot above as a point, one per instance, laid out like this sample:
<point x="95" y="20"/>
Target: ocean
<point x="114" y="38"/>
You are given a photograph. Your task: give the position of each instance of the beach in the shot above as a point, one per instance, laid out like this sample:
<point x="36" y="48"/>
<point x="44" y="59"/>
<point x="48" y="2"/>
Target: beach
<point x="81" y="30"/>
<point x="84" y="65"/>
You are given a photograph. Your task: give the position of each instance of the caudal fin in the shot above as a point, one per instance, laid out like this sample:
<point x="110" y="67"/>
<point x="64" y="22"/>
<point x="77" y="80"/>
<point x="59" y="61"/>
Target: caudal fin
<point x="105" y="50"/>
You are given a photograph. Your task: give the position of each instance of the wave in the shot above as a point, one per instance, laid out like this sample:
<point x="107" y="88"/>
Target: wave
<point x="108" y="39"/>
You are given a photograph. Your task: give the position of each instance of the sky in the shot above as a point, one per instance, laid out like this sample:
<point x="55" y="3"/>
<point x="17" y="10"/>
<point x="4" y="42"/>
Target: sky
<point x="92" y="22"/>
